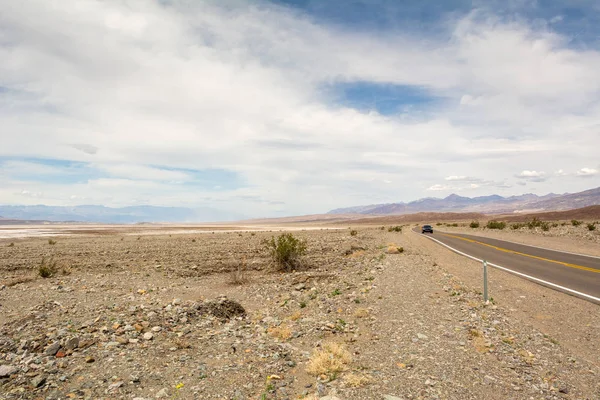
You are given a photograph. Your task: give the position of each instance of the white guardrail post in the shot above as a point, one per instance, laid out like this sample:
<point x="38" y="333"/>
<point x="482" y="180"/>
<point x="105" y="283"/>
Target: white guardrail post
<point x="485" y="282"/>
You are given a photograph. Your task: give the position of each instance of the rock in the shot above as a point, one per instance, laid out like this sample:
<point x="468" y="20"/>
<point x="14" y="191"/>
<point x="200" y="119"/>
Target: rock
<point x="128" y="328"/>
<point x="114" y="386"/>
<point x="421" y="336"/>
<point x="390" y="397"/>
<point x="7" y="370"/>
<point x="72" y="343"/>
<point x="122" y="340"/>
<point x="89" y="359"/>
<point x="564" y="390"/>
<point x="300" y="286"/>
<point x="330" y="398"/>
<point x="156" y="329"/>
<point x="176" y="302"/>
<point x="38" y="381"/>
<point x="148" y="336"/>
<point x="112" y="344"/>
<point x="52" y="349"/>
<point x="321" y="389"/>
<point x="162" y="394"/>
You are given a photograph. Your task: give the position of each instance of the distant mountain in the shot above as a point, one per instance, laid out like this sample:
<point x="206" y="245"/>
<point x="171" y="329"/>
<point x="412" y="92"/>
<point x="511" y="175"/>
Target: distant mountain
<point x="123" y="215"/>
<point x="493" y="204"/>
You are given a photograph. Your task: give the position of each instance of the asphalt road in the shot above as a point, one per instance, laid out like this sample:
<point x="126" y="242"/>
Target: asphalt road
<point x="572" y="273"/>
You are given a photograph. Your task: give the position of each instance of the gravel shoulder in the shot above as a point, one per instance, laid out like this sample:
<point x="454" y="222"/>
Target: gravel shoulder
<point x="149" y="317"/>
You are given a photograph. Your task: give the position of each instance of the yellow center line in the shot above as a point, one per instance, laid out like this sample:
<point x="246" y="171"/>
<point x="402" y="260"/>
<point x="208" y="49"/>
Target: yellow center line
<point x="525" y="254"/>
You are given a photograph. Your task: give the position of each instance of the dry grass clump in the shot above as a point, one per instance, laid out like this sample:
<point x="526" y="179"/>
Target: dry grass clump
<point x="281" y="332"/>
<point x="331" y="359"/>
<point x="356" y="380"/>
<point x="295" y="316"/>
<point x="238" y="275"/>
<point x="361" y="313"/>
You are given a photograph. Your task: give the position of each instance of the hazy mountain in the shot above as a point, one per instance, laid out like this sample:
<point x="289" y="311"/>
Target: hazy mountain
<point x="483" y="204"/>
<point x="123" y="215"/>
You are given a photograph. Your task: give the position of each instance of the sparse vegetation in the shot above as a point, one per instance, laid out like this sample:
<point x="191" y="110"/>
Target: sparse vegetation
<point x="534" y="223"/>
<point x="332" y="359"/>
<point x="493" y="224"/>
<point x="11" y="244"/>
<point x="51" y="242"/>
<point x="574" y="222"/>
<point x="281" y="332"/>
<point x="591" y="227"/>
<point x="516" y="226"/>
<point x="453" y="225"/>
<point x="361" y="313"/>
<point x="353" y="232"/>
<point x="395" y="229"/>
<point x="238" y="275"/>
<point x="474" y="224"/>
<point x="545" y="226"/>
<point x="356" y="380"/>
<point x="286" y="251"/>
<point x="47" y="269"/>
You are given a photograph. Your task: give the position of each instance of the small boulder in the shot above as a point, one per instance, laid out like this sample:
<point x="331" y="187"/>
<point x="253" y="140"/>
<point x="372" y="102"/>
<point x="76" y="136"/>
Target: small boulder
<point x="7" y="370"/>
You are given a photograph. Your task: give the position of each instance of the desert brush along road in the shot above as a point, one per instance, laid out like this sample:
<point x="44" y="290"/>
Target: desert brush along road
<point x="576" y="274"/>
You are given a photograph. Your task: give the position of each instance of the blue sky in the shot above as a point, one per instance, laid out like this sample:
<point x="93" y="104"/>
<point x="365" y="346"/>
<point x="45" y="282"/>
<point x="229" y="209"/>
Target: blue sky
<point x="296" y="106"/>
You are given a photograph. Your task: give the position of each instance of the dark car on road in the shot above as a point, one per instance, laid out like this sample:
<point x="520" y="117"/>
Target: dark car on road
<point x="427" y="229"/>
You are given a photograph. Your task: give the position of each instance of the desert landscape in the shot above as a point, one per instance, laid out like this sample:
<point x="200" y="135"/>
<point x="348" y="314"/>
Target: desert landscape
<point x="370" y="311"/>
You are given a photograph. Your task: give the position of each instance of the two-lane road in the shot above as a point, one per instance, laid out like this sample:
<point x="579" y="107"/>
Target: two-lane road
<point x="572" y="273"/>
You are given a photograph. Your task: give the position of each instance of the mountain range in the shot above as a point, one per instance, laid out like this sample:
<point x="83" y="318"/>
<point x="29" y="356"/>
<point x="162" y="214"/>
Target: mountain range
<point x="123" y="215"/>
<point x="493" y="204"/>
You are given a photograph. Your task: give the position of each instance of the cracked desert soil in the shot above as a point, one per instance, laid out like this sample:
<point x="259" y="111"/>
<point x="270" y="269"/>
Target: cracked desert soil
<point x="125" y="318"/>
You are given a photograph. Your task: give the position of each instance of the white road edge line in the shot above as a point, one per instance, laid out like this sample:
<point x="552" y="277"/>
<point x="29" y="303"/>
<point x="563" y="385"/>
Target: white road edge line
<point x="522" y="244"/>
<point x="554" y="285"/>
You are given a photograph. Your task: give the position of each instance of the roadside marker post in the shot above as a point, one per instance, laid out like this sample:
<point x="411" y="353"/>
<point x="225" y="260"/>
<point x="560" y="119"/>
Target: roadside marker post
<point x="485" y="282"/>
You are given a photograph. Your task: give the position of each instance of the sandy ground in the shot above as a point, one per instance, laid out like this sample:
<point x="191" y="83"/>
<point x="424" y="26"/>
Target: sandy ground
<point x="143" y="316"/>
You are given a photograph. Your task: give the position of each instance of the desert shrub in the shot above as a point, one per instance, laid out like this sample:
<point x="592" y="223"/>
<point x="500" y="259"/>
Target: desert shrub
<point x="474" y="224"/>
<point x="563" y="223"/>
<point x="554" y="224"/>
<point x="286" y="250"/>
<point x="545" y="226"/>
<point x="51" y="242"/>
<point x="395" y="229"/>
<point x="454" y="225"/>
<point x="353" y="232"/>
<point x="493" y="224"/>
<point x="382" y="228"/>
<point x="516" y="226"/>
<point x="534" y="223"/>
<point x="591" y="227"/>
<point x="439" y="224"/>
<point x="574" y="222"/>
<point x="11" y="244"/>
<point x="47" y="269"/>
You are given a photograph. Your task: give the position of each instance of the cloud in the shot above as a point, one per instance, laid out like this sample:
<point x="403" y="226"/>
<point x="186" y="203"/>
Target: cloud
<point x="532" y="176"/>
<point x="439" y="187"/>
<point x="587" y="172"/>
<point x="177" y="87"/>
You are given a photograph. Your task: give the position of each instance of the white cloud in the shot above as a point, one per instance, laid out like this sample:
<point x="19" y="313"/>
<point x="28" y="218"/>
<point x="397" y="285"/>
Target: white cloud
<point x="438" y="187"/>
<point x="142" y="91"/>
<point x="587" y="172"/>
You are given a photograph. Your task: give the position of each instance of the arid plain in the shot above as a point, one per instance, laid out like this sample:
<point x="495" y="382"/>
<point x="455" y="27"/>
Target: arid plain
<point x="201" y="312"/>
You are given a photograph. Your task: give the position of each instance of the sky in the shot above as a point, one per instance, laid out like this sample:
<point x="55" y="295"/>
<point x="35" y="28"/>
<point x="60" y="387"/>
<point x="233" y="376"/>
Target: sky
<point x="289" y="107"/>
